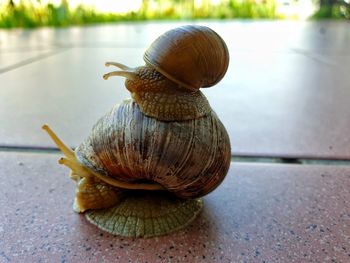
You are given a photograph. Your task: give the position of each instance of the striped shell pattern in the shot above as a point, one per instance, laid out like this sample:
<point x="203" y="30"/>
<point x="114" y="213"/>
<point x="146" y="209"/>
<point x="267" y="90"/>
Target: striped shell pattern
<point x="188" y="158"/>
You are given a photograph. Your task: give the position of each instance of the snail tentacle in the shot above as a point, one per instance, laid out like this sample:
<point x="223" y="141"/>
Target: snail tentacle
<point x="129" y="74"/>
<point x="126" y="71"/>
<point x="74" y="176"/>
<point x="82" y="171"/>
<point x="76" y="167"/>
<point x="60" y="144"/>
<point x="118" y="65"/>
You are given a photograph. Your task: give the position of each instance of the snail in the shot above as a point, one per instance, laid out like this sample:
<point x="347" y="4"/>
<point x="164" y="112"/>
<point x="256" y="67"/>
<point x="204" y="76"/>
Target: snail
<point x="146" y="164"/>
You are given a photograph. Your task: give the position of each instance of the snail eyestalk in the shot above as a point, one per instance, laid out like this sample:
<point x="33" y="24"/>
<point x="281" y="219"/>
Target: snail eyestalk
<point x="126" y="71"/>
<point x="118" y="65"/>
<point x="76" y="168"/>
<point x="122" y="73"/>
<point x="79" y="170"/>
<point x="61" y="145"/>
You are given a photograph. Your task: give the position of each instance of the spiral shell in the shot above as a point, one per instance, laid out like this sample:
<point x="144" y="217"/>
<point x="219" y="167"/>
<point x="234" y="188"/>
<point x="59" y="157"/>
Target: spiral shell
<point x="189" y="158"/>
<point x="192" y="56"/>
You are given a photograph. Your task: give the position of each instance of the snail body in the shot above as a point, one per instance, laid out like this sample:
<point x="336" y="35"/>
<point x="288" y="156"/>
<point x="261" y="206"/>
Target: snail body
<point x="166" y="139"/>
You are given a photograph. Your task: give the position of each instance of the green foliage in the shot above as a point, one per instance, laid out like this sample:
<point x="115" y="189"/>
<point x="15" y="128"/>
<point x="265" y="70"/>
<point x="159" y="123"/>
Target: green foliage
<point x="337" y="11"/>
<point x="32" y="13"/>
<point x="249" y="9"/>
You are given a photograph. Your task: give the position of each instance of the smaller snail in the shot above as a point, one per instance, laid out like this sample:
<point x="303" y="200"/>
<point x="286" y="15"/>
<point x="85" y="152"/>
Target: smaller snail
<point x="178" y="64"/>
<point x="147" y="162"/>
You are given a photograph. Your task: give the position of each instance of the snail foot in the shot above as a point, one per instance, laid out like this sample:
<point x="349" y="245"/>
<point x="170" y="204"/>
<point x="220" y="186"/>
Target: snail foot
<point x="146" y="214"/>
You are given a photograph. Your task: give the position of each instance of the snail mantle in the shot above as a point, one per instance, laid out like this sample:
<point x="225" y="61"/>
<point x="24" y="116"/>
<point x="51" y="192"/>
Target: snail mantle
<point x="146" y="164"/>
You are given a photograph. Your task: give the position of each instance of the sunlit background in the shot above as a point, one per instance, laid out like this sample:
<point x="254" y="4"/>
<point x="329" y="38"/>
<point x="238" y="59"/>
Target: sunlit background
<point x="107" y="6"/>
<point x="32" y="13"/>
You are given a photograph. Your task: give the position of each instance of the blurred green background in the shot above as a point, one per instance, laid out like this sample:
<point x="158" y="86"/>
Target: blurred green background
<point x="34" y="13"/>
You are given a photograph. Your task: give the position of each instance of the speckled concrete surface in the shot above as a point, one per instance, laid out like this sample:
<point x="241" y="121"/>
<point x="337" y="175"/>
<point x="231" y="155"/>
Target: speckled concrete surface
<point x="261" y="213"/>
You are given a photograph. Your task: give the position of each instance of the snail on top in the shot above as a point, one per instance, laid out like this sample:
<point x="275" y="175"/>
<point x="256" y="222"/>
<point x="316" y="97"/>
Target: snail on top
<point x="178" y="64"/>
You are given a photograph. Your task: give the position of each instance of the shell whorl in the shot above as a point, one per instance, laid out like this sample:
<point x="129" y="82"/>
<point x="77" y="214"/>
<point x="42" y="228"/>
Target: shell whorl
<point x="130" y="146"/>
<point x="192" y="56"/>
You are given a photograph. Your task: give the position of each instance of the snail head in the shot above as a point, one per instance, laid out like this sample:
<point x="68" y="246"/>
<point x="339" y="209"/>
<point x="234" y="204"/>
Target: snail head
<point x="160" y="97"/>
<point x="141" y="79"/>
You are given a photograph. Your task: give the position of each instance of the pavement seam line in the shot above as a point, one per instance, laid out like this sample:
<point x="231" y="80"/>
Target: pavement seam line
<point x="234" y="158"/>
<point x="32" y="60"/>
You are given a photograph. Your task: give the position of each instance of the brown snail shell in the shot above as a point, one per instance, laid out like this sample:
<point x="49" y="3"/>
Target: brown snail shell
<point x="193" y="56"/>
<point x="189" y="158"/>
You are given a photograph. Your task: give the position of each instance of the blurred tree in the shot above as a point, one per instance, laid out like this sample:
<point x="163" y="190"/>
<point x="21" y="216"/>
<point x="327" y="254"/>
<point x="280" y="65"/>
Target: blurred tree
<point x="327" y="6"/>
<point x="144" y="8"/>
<point x="333" y="9"/>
